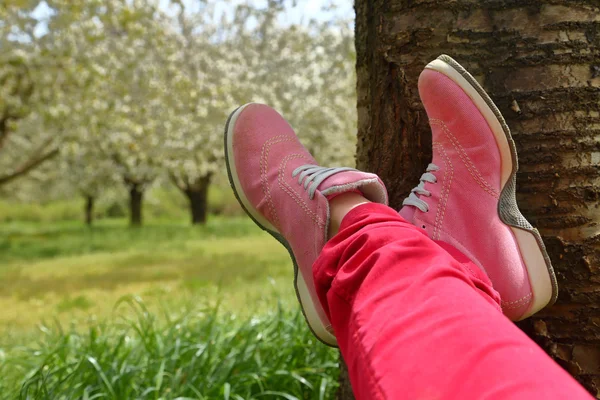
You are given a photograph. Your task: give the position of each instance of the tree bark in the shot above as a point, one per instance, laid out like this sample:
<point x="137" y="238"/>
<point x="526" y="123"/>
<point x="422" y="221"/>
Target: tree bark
<point x="89" y="210"/>
<point x="538" y="59"/>
<point x="136" y="194"/>
<point x="197" y="195"/>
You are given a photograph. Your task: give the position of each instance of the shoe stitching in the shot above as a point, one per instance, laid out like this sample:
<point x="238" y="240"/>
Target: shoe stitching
<point x="451" y="167"/>
<point x="293" y="194"/>
<point x="288" y="189"/>
<point x="505" y="305"/>
<point x="264" y="162"/>
<point x="511" y="305"/>
<point x="476" y="261"/>
<point x="445" y="191"/>
<point x="298" y="198"/>
<point x="488" y="188"/>
<point x="434" y="235"/>
<point x="518" y="300"/>
<point x="466" y="160"/>
<point x="321" y="231"/>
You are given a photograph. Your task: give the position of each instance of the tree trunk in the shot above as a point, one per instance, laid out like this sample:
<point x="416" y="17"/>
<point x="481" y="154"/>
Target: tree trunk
<point x="538" y="59"/>
<point x="197" y="195"/>
<point x="135" y="204"/>
<point x="89" y="210"/>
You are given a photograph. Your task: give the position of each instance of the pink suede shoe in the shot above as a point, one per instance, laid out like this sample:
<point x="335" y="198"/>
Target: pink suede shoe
<point x="281" y="187"/>
<point x="467" y="196"/>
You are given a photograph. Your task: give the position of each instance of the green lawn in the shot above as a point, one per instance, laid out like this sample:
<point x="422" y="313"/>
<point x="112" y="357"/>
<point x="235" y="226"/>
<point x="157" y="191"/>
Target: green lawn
<point x="165" y="311"/>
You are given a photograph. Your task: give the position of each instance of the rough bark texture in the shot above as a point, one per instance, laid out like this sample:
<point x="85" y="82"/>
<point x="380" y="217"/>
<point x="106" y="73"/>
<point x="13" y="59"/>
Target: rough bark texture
<point x="136" y="195"/>
<point x="89" y="210"/>
<point x="197" y="195"/>
<point x="539" y="60"/>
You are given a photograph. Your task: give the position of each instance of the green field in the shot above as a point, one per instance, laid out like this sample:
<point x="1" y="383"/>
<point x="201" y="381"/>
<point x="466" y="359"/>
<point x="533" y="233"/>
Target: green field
<point x="162" y="312"/>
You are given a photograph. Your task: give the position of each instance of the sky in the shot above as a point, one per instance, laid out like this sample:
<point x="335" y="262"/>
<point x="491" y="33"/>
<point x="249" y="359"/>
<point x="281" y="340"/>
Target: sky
<point x="303" y="11"/>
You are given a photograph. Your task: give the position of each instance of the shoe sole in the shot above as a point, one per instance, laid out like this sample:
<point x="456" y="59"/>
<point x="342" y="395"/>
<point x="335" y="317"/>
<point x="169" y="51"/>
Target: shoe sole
<point x="302" y="293"/>
<point x="533" y="251"/>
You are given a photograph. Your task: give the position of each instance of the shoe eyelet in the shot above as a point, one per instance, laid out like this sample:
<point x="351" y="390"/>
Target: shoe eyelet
<point x="423" y="226"/>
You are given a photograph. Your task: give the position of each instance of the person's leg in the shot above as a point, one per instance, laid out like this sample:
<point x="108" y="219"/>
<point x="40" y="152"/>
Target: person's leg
<point x="415" y="319"/>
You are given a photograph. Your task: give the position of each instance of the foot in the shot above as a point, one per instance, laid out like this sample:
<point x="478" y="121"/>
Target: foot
<point x="467" y="195"/>
<point x="281" y="187"/>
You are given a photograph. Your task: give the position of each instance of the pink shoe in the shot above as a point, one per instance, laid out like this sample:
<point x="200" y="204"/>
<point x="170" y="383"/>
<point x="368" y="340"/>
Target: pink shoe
<point x="467" y="196"/>
<point x="281" y="187"/>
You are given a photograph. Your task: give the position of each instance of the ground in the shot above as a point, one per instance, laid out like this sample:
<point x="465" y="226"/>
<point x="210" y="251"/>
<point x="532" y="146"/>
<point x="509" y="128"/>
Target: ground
<point x="65" y="286"/>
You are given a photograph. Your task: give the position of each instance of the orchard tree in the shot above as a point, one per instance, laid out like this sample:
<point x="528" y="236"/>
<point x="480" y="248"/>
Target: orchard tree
<point x="150" y="87"/>
<point x="84" y="161"/>
<point x="24" y="71"/>
<point x="201" y="86"/>
<point x="305" y="71"/>
<point x="88" y="171"/>
<point x="129" y="65"/>
<point x="118" y="49"/>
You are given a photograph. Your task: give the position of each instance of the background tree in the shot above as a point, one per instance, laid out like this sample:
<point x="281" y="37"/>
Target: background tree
<point x="117" y="50"/>
<point x="88" y="171"/>
<point x="24" y="77"/>
<point x="539" y="61"/>
<point x="221" y="62"/>
<point x="148" y="86"/>
<point x="202" y="85"/>
<point x="306" y="72"/>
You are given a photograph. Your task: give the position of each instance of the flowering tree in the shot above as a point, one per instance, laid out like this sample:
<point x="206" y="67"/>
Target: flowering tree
<point x="23" y="76"/>
<point x="201" y="82"/>
<point x="144" y="87"/>
<point x="118" y="50"/>
<point x="306" y="72"/>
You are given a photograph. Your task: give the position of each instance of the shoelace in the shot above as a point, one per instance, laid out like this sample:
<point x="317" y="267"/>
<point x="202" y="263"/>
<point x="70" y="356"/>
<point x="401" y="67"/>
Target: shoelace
<point x="316" y="175"/>
<point x="413" y="199"/>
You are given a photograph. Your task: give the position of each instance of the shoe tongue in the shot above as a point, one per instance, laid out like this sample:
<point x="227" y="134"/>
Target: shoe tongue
<point x="368" y="184"/>
<point x="408" y="213"/>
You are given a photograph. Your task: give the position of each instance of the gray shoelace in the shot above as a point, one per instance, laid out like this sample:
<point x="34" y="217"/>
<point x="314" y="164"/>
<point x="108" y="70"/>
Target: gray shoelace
<point x="316" y="175"/>
<point x="413" y="199"/>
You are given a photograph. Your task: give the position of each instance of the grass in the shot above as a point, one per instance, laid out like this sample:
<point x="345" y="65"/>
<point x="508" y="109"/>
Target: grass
<point x="218" y="317"/>
<point x="71" y="271"/>
<point x="189" y="355"/>
<point x="21" y="240"/>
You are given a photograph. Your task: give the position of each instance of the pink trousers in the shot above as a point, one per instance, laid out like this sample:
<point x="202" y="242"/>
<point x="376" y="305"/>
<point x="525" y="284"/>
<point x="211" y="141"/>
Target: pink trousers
<point x="415" y="319"/>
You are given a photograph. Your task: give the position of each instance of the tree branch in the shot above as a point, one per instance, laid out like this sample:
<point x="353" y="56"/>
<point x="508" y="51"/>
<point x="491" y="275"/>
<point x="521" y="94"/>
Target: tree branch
<point x="27" y="166"/>
<point x="177" y="183"/>
<point x="3" y="130"/>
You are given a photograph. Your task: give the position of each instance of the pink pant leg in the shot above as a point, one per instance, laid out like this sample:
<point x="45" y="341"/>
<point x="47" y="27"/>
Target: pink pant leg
<point x="416" y="319"/>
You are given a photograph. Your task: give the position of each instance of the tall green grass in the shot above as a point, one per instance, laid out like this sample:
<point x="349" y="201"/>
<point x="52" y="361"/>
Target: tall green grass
<point x="189" y="354"/>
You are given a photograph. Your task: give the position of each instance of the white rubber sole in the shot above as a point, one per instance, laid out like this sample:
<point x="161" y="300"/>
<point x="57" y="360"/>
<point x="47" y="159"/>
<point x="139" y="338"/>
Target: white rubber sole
<point x="308" y="307"/>
<point x="539" y="269"/>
